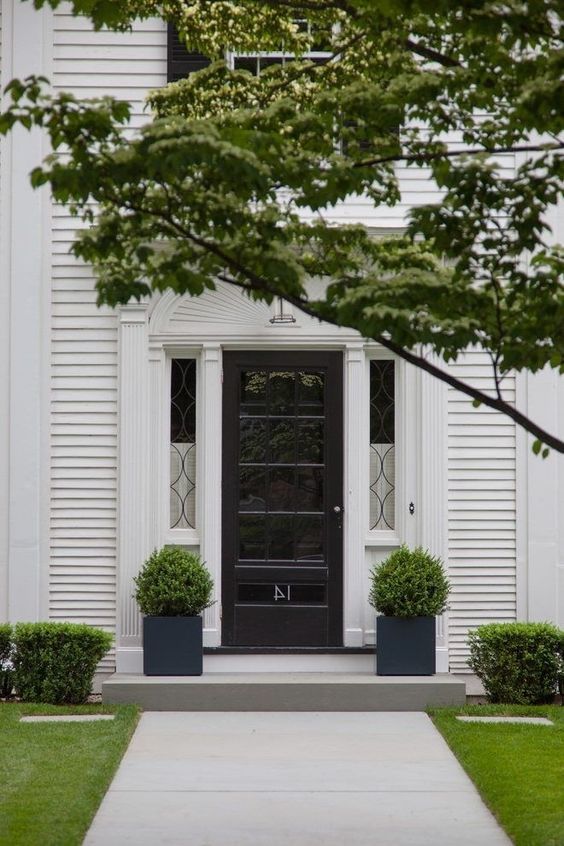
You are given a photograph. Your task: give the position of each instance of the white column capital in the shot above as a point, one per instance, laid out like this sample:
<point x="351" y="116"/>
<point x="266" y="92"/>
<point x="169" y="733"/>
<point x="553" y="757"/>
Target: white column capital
<point x="211" y="352"/>
<point x="354" y="353"/>
<point x="134" y="313"/>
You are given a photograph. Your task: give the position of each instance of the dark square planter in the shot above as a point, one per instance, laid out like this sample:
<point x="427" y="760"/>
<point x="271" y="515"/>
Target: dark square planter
<point x="172" y="646"/>
<point x="405" y="646"/>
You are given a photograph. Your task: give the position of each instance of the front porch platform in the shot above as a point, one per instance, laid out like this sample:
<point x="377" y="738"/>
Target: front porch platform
<point x="284" y="692"/>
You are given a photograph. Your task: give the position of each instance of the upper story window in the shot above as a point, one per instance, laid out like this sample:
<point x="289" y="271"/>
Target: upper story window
<point x="181" y="62"/>
<point x="354" y="139"/>
<point x="258" y="62"/>
<point x="183" y="443"/>
<point x="382" y="445"/>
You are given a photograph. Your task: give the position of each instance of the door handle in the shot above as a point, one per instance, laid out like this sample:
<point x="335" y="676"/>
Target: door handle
<point x="338" y="512"/>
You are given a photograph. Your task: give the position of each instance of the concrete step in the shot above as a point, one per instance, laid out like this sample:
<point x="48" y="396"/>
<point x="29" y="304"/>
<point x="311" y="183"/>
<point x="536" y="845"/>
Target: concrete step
<point x="284" y="692"/>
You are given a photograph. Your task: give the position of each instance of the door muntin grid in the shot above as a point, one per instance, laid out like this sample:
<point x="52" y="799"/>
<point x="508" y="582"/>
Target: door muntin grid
<point x="281" y="467"/>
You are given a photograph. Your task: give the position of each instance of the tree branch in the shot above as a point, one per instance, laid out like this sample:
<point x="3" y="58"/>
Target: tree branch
<point x="449" y="154"/>
<point x="423" y="364"/>
<point x="433" y="55"/>
<point x="262" y="285"/>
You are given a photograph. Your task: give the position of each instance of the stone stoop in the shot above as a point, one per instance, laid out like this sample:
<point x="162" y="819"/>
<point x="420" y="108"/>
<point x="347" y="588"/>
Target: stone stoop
<point x="281" y="691"/>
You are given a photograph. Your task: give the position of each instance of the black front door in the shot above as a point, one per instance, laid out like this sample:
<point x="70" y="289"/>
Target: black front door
<point x="282" y="499"/>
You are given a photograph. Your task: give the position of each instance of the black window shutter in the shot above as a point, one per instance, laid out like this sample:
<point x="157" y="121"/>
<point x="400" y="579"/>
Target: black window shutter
<point x="180" y="62"/>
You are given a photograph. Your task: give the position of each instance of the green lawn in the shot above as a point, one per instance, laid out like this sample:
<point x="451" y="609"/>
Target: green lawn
<point x="53" y="777"/>
<point x="518" y="769"/>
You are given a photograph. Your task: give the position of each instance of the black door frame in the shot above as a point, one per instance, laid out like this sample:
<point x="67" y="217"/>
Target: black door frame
<point x="332" y="363"/>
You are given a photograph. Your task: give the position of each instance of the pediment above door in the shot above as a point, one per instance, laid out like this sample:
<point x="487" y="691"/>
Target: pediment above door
<point x="227" y="310"/>
<point x="229" y="313"/>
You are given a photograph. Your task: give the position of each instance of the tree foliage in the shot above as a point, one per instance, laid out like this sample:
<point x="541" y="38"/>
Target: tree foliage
<point x="232" y="176"/>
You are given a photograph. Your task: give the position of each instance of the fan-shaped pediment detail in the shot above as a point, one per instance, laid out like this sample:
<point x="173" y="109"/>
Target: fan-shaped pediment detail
<point x="225" y="305"/>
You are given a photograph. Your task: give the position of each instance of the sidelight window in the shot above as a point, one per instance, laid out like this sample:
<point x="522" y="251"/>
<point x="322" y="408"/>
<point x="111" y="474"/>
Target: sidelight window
<point x="183" y="443"/>
<point x="382" y="445"/>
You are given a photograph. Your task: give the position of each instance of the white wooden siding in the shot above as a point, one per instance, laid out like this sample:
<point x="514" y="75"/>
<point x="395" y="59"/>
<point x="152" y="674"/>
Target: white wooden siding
<point x="84" y="343"/>
<point x="84" y="387"/>
<point x="481" y="471"/>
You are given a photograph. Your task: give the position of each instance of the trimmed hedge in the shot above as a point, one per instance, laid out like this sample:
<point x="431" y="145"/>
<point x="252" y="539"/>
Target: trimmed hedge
<point x="5" y="641"/>
<point x="55" y="662"/>
<point x="409" y="583"/>
<point x="518" y="663"/>
<point x="561" y="669"/>
<point x="6" y="669"/>
<point x="173" y="583"/>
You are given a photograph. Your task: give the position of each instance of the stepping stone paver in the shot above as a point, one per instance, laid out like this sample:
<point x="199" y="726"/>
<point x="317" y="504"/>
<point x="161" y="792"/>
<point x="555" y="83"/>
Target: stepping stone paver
<point x="533" y="721"/>
<point x="67" y="718"/>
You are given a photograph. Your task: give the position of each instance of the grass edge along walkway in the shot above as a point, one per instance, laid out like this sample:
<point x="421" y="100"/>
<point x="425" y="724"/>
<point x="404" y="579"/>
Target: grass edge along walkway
<point x="53" y="776"/>
<point x="517" y="769"/>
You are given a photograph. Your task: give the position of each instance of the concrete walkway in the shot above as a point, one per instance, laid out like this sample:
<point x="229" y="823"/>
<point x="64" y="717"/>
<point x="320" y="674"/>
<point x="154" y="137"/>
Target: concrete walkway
<point x="291" y="779"/>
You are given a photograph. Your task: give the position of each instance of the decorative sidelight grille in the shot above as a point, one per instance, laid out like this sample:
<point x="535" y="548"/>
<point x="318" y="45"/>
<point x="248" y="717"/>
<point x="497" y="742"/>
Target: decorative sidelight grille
<point x="382" y="445"/>
<point x="183" y="444"/>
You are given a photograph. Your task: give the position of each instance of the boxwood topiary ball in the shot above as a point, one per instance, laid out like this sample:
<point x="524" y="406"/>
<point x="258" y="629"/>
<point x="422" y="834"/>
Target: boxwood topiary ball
<point x="173" y="583"/>
<point x="409" y="583"/>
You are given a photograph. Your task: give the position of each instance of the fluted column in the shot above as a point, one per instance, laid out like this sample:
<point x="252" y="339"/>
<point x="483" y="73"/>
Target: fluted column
<point x="159" y="455"/>
<point x="210" y="476"/>
<point x="355" y="576"/>
<point x="432" y="505"/>
<point x="133" y="502"/>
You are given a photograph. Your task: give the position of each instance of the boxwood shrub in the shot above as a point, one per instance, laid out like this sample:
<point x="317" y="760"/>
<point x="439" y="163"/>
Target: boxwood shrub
<point x="173" y="583"/>
<point x="6" y="667"/>
<point x="561" y="668"/>
<point x="55" y="662"/>
<point x="517" y="663"/>
<point x="409" y="583"/>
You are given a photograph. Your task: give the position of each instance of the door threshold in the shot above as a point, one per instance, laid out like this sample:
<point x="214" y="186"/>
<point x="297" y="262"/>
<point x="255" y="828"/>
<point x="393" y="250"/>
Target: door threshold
<point x="289" y="650"/>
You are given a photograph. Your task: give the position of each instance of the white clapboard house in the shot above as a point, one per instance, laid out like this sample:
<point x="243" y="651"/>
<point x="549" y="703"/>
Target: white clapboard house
<point x="119" y="430"/>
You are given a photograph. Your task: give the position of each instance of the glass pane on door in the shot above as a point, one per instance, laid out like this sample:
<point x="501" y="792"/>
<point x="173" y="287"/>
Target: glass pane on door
<point x="281" y="465"/>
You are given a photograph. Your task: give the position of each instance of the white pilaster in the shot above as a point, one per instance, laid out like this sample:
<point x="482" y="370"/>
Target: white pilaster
<point x="431" y="506"/>
<point x="407" y="451"/>
<point x="159" y="448"/>
<point x="24" y="302"/>
<point x="540" y="559"/>
<point x="209" y="477"/>
<point x="540" y="486"/>
<point x="134" y="535"/>
<point x="355" y="488"/>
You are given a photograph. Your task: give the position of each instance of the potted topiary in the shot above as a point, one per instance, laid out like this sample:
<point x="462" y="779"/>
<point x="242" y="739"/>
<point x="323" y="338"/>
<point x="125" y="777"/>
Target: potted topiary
<point x="408" y="589"/>
<point x="173" y="588"/>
